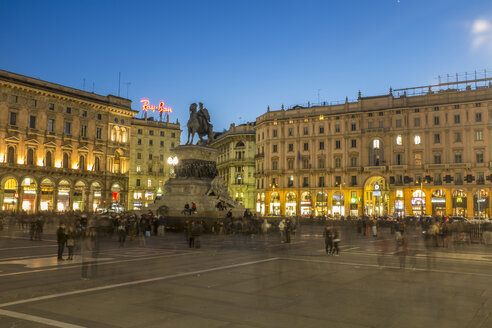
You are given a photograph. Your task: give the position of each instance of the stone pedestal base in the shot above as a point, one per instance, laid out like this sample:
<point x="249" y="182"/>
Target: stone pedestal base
<point x="195" y="182"/>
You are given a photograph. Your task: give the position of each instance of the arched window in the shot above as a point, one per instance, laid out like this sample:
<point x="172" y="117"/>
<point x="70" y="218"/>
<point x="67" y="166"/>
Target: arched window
<point x="49" y="160"/>
<point x="97" y="164"/>
<point x="65" y="161"/>
<point x="11" y="155"/>
<point x="240" y="144"/>
<point x="82" y="162"/>
<point x="376" y="153"/>
<point x="30" y="156"/>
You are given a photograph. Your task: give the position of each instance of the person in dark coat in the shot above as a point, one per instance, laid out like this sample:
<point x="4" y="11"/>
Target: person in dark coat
<point x="61" y="239"/>
<point x="328" y="235"/>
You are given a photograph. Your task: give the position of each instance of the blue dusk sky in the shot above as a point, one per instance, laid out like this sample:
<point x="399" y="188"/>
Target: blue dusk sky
<point x="238" y="57"/>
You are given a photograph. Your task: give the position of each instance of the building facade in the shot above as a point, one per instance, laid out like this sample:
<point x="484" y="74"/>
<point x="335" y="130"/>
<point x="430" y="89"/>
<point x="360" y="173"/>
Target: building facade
<point x="236" y="163"/>
<point x="61" y="148"/>
<point x="151" y="143"/>
<point x="414" y="151"/>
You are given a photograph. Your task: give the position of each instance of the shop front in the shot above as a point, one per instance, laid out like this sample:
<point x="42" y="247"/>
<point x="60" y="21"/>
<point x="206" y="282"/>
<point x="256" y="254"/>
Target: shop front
<point x="338" y="204"/>
<point x="418" y="202"/>
<point x="47" y="201"/>
<point x="459" y="203"/>
<point x="96" y="195"/>
<point x="29" y="195"/>
<point x="260" y="203"/>
<point x="275" y="203"/>
<point x="481" y="203"/>
<point x="79" y="196"/>
<point x="306" y="204"/>
<point x="290" y="204"/>
<point x="10" y="195"/>
<point x="438" y="201"/>
<point x="354" y="204"/>
<point x="399" y="204"/>
<point x="321" y="203"/>
<point x="63" y="196"/>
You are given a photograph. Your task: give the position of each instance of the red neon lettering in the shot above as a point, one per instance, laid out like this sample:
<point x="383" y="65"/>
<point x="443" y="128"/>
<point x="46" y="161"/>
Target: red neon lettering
<point x="146" y="106"/>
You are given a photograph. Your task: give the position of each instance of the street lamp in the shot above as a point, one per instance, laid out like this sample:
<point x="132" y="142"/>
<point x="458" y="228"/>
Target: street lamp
<point x="173" y="161"/>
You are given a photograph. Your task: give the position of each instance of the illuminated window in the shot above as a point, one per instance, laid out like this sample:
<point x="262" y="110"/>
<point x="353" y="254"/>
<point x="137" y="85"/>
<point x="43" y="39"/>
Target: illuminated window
<point x="375" y="144"/>
<point x="399" y="193"/>
<point x="139" y="168"/>
<point x="149" y="183"/>
<point x="416" y="140"/>
<point x="399" y="140"/>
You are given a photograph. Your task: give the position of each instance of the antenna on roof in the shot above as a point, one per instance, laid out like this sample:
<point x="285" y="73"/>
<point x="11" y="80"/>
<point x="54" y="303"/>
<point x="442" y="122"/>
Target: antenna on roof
<point x="119" y="83"/>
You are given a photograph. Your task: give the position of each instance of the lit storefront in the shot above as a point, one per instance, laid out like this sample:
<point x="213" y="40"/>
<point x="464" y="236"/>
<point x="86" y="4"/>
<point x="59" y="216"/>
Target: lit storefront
<point x="96" y="193"/>
<point x="10" y="195"/>
<point x="137" y="200"/>
<point x="260" y="203"/>
<point x="115" y="194"/>
<point x="438" y="201"/>
<point x="418" y="202"/>
<point x="376" y="196"/>
<point x="29" y="195"/>
<point x="399" y="204"/>
<point x="459" y="203"/>
<point x="306" y="204"/>
<point x="481" y="203"/>
<point x="290" y="204"/>
<point x="321" y="203"/>
<point x="47" y="200"/>
<point x="354" y="206"/>
<point x="338" y="204"/>
<point x="275" y="203"/>
<point x="63" y="196"/>
<point x="79" y="196"/>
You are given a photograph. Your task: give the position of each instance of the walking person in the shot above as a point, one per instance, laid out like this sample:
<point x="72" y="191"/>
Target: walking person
<point x="61" y="239"/>
<point x="122" y="232"/>
<point x="71" y="236"/>
<point x="281" y="228"/>
<point x="336" y="241"/>
<point x="328" y="234"/>
<point x="288" y="228"/>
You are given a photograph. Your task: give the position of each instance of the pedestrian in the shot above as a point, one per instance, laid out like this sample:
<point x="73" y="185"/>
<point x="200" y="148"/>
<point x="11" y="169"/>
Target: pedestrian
<point x="71" y="236"/>
<point x="196" y="232"/>
<point x="374" y="227"/>
<point x="288" y="228"/>
<point x="328" y="234"/>
<point x="122" y="232"/>
<point x="161" y="229"/>
<point x="336" y="241"/>
<point x="281" y="228"/>
<point x="193" y="207"/>
<point x="61" y="239"/>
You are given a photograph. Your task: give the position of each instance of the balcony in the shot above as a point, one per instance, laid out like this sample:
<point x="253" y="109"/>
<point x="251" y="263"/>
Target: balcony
<point x="380" y="168"/>
<point x="459" y="165"/>
<point x="398" y="167"/>
<point x="435" y="166"/>
<point x="353" y="169"/>
<point x="260" y="155"/>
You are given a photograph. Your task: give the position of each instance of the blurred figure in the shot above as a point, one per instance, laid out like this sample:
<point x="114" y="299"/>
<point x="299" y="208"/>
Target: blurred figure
<point x="281" y="228"/>
<point x="328" y="235"/>
<point x="336" y="242"/>
<point x="61" y="239"/>
<point x="71" y="236"/>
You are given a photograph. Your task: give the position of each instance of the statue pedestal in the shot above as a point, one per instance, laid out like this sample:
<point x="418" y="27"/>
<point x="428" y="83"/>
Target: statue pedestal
<point x="196" y="181"/>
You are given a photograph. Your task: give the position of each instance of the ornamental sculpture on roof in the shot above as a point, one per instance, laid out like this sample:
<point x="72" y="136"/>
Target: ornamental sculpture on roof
<point x="199" y="123"/>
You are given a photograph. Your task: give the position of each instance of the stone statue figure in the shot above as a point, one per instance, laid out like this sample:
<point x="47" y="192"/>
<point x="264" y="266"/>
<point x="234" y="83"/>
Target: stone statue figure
<point x="199" y="123"/>
<point x="218" y="189"/>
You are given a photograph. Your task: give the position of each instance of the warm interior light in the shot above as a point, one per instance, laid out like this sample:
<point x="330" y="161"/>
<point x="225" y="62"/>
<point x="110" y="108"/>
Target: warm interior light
<point x="75" y="166"/>
<point x="89" y="167"/>
<point x="2" y="158"/>
<point x="58" y="164"/>
<point x="40" y="162"/>
<point x="20" y="160"/>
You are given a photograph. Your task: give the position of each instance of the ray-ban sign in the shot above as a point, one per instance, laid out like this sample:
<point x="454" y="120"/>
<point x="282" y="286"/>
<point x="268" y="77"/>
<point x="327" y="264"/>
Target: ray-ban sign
<point x="146" y="106"/>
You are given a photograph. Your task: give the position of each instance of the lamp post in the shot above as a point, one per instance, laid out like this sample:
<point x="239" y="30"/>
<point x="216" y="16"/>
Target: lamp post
<point x="173" y="161"/>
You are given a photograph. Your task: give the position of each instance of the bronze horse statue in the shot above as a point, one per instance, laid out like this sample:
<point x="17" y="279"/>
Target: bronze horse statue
<point x="199" y="123"/>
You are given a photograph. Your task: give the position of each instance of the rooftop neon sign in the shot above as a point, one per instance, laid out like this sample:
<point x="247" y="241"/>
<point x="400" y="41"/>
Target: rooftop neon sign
<point x="146" y="106"/>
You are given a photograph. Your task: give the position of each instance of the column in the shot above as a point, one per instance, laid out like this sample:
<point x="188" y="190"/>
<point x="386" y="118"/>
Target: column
<point x="449" y="202"/>
<point x="37" y="207"/>
<point x="85" y="200"/>
<point x="55" y="201"/>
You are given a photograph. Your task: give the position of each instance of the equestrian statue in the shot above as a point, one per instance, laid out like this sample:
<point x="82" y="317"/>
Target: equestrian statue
<point x="199" y="123"/>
